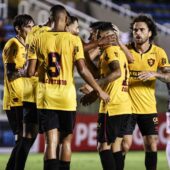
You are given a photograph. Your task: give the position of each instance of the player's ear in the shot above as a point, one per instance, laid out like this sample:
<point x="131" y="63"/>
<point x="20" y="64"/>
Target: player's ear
<point x="17" y="29"/>
<point x="150" y="33"/>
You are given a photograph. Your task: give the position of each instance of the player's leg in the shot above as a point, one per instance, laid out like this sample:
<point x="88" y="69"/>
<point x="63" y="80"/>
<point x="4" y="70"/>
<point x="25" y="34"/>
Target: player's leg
<point x="168" y="137"/>
<point x="124" y="125"/>
<point x="15" y="118"/>
<point x="49" y="125"/>
<point x="65" y="151"/>
<point x="67" y="120"/>
<point x="30" y="131"/>
<point x="148" y="125"/>
<point x="118" y="154"/>
<point x="105" y="137"/>
<point x="123" y="142"/>
<point x="106" y="156"/>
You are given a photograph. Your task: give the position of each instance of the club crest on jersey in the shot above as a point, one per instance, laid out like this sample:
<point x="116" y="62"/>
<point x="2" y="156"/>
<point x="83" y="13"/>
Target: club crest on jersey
<point x="76" y="50"/>
<point x="106" y="57"/>
<point x="151" y="62"/>
<point x="163" y="61"/>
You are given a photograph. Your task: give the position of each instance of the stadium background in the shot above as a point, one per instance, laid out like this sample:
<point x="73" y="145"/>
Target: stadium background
<point x="120" y="13"/>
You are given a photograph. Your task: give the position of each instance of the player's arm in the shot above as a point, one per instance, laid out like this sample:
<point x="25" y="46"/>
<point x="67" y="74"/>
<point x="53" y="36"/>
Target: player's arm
<point x="32" y="58"/>
<point x="87" y="76"/>
<point x="129" y="56"/>
<point x="164" y="69"/>
<point x="31" y="69"/>
<point x="100" y="42"/>
<point x="13" y="73"/>
<point x="91" y="66"/>
<point x="163" y="76"/>
<point x="115" y="73"/>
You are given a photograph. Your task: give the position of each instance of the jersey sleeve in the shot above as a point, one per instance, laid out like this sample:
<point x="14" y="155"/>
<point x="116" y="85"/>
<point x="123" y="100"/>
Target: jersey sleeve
<point x="78" y="49"/>
<point x="111" y="54"/>
<point x="10" y="51"/>
<point x="162" y="58"/>
<point x="31" y="54"/>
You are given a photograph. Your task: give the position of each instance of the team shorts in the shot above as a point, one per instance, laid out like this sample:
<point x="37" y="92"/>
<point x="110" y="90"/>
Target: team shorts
<point x="126" y="125"/>
<point x="30" y="113"/>
<point x="147" y="123"/>
<point x="64" y="121"/>
<point x="168" y="122"/>
<point x="15" y="119"/>
<point x="108" y="127"/>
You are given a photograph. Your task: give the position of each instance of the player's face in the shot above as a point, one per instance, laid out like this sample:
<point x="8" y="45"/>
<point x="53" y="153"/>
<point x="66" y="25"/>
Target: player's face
<point x="24" y="30"/>
<point x="106" y="33"/>
<point x="141" y="33"/>
<point x="93" y="34"/>
<point x="74" y="28"/>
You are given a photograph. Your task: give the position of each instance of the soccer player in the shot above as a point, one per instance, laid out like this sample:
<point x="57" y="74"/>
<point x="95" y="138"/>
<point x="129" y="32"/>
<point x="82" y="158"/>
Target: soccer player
<point x="113" y="77"/>
<point x="73" y="25"/>
<point x="14" y="59"/>
<point x="148" y="58"/>
<point x="56" y="52"/>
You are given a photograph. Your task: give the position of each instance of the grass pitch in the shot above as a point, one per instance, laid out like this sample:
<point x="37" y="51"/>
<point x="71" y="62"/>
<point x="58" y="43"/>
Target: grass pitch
<point x="90" y="161"/>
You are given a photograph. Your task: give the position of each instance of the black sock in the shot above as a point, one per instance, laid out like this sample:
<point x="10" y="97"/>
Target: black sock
<point x="11" y="162"/>
<point x="119" y="160"/>
<point x="107" y="160"/>
<point x="64" y="165"/>
<point x="22" y="153"/>
<point x="51" y="164"/>
<point x="150" y="160"/>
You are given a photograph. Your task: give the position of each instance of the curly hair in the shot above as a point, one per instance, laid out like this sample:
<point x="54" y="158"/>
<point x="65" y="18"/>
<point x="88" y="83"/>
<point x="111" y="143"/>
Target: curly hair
<point x="149" y="22"/>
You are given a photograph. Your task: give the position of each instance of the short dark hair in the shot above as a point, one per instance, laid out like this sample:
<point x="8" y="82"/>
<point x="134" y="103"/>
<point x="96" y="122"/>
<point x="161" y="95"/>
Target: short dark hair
<point x="106" y="26"/>
<point x="96" y="25"/>
<point x="72" y="19"/>
<point x="149" y="22"/>
<point x="56" y="10"/>
<point x="22" y="20"/>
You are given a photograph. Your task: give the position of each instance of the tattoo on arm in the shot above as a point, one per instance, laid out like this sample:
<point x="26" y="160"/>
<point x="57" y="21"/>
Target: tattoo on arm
<point x="13" y="73"/>
<point x="114" y="65"/>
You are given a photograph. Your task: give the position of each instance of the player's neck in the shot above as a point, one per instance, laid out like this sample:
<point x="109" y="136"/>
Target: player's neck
<point x="20" y="39"/>
<point x="142" y="48"/>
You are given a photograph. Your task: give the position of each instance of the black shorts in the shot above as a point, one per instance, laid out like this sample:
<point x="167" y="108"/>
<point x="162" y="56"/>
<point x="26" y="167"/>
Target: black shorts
<point x="108" y="128"/>
<point x="15" y="119"/>
<point x="64" y="121"/>
<point x="126" y="125"/>
<point x="30" y="113"/>
<point x="147" y="123"/>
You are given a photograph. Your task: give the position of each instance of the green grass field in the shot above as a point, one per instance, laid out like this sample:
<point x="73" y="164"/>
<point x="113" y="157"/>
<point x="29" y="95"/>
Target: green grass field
<point x="90" y="161"/>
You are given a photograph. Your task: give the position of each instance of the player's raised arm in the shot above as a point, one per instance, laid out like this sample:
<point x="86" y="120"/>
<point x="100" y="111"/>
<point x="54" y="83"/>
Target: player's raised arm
<point x="87" y="76"/>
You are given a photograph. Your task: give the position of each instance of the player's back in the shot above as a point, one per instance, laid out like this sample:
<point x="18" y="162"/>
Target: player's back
<point x="30" y="83"/>
<point x="118" y="89"/>
<point x="56" y="54"/>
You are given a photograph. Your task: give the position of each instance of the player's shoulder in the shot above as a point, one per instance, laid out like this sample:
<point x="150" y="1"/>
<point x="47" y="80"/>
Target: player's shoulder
<point x="12" y="42"/>
<point x="113" y="48"/>
<point x="157" y="48"/>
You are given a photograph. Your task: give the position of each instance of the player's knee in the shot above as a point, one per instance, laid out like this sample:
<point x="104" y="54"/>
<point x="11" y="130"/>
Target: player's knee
<point x="103" y="146"/>
<point x="31" y="130"/>
<point x="126" y="143"/>
<point x="151" y="143"/>
<point x="126" y="146"/>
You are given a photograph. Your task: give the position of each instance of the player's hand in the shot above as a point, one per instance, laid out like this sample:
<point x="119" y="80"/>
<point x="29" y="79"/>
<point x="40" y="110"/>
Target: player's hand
<point x="116" y="31"/>
<point x="89" y="98"/>
<point x="147" y="75"/>
<point x="94" y="53"/>
<point x="104" y="96"/>
<point x="86" y="89"/>
<point x="108" y="40"/>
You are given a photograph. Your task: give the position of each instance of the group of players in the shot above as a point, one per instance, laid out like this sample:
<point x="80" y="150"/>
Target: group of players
<point x="40" y="95"/>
